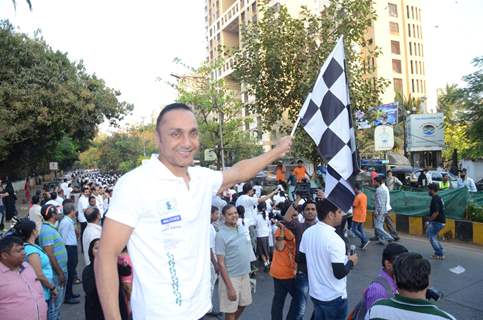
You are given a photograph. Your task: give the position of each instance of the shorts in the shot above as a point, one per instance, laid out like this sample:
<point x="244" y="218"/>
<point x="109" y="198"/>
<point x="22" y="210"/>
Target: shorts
<point x="262" y="246"/>
<point x="243" y="294"/>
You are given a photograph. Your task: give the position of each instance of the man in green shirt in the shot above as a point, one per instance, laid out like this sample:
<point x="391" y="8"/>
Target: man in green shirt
<point x="411" y="272"/>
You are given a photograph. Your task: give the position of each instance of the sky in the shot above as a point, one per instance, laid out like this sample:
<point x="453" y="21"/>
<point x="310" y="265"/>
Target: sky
<point x="132" y="44"/>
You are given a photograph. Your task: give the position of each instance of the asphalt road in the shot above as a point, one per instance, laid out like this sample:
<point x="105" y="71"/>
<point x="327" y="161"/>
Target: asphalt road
<point x="463" y="292"/>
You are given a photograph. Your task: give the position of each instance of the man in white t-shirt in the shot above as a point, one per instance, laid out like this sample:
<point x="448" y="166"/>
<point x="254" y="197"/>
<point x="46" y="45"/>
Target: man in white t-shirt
<point x="327" y="263"/>
<point x="250" y="203"/>
<point x="160" y="211"/>
<point x="82" y="206"/>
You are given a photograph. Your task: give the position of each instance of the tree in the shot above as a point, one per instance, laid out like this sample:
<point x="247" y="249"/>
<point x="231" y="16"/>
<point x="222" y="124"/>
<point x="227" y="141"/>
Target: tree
<point x="215" y="106"/>
<point x="43" y="98"/>
<point x="281" y="57"/>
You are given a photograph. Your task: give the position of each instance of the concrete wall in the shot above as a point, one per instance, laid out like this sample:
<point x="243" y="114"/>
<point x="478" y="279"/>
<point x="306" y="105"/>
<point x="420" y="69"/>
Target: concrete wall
<point x="475" y="168"/>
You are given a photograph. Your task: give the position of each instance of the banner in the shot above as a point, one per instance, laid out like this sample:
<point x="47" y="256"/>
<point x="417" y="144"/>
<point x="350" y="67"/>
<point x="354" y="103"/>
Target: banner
<point x="383" y="114"/>
<point x="411" y="203"/>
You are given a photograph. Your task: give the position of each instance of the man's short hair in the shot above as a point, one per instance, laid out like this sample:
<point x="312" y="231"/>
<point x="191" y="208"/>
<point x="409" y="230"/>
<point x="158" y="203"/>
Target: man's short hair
<point x="92" y="197"/>
<point x="92" y="214"/>
<point x="391" y="251"/>
<point x="53" y="195"/>
<point x="68" y="207"/>
<point x="168" y="108"/>
<point x="247" y="187"/>
<point x="379" y="179"/>
<point x="357" y="186"/>
<point x="35" y="199"/>
<point x="388" y="171"/>
<point x="226" y="208"/>
<point x="411" y="272"/>
<point x="300" y="161"/>
<point x="306" y="203"/>
<point x="323" y="208"/>
<point x="7" y="243"/>
<point x="433" y="186"/>
<point x="214" y="209"/>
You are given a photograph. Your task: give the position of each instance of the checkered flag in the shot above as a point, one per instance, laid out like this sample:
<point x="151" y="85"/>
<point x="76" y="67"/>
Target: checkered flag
<point x="326" y="117"/>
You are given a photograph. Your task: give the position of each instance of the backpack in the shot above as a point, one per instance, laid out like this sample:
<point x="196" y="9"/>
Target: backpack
<point x="360" y="310"/>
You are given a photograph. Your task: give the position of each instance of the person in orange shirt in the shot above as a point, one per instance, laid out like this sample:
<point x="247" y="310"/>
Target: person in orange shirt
<point x="359" y="215"/>
<point x="280" y="174"/>
<point x="283" y="271"/>
<point x="300" y="172"/>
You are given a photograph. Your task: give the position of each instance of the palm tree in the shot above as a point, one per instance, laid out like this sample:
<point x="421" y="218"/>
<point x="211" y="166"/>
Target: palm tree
<point x="28" y="2"/>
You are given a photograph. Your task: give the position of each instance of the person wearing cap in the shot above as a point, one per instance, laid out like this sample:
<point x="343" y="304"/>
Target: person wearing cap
<point x="436" y="221"/>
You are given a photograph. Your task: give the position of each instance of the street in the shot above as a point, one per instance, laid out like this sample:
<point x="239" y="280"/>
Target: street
<point x="463" y="293"/>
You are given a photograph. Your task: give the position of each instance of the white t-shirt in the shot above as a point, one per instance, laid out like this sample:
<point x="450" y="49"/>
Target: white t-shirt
<point x="170" y="243"/>
<point x="212" y="237"/>
<point x="388" y="203"/>
<point x="82" y="204"/>
<point x="322" y="247"/>
<point x="250" y="205"/>
<point x="91" y="232"/>
<point x="263" y="226"/>
<point x="258" y="190"/>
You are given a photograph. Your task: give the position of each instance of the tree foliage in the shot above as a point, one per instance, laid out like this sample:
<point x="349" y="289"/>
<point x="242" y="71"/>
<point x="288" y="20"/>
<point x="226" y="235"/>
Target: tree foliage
<point x="282" y="55"/>
<point x="44" y="100"/>
<point x="213" y="102"/>
<point x="463" y="112"/>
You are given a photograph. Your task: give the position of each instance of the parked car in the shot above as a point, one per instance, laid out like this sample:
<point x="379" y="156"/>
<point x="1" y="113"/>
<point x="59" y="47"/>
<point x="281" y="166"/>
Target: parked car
<point x="436" y="176"/>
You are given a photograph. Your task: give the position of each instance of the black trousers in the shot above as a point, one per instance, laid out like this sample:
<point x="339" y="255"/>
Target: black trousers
<point x="72" y="260"/>
<point x="83" y="227"/>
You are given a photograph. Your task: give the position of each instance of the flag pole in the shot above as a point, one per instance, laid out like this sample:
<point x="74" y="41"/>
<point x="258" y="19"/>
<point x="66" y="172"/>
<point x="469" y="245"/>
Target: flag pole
<point x="295" y="126"/>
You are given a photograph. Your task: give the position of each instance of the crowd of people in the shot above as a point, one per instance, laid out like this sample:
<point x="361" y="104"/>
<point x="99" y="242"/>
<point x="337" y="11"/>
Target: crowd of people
<point x="151" y="252"/>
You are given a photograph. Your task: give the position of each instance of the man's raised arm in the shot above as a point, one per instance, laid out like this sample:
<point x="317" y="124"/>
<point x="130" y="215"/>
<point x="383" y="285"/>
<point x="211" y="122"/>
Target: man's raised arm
<point x="115" y="236"/>
<point x="247" y="169"/>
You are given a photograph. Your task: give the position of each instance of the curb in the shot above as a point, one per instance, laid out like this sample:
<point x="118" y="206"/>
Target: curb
<point x="463" y="230"/>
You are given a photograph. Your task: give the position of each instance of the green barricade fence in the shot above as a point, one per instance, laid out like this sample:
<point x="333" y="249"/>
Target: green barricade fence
<point x="477" y="198"/>
<point x="410" y="203"/>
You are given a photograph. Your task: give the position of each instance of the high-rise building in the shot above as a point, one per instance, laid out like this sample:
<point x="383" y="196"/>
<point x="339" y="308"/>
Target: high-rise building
<point x="397" y="32"/>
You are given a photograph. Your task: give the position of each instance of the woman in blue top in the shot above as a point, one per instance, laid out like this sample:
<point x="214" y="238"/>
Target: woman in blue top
<point x="36" y="257"/>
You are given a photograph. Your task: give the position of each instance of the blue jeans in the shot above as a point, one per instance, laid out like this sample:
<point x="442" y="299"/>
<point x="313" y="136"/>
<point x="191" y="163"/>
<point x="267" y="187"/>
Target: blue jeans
<point x="53" y="311"/>
<point x="432" y="233"/>
<point x="358" y="229"/>
<point x="281" y="288"/>
<point x="379" y="227"/>
<point x="330" y="310"/>
<point x="299" y="300"/>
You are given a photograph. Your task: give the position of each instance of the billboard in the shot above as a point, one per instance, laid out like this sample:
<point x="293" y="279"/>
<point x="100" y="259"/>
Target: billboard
<point x="383" y="138"/>
<point x="425" y="132"/>
<point x="383" y="114"/>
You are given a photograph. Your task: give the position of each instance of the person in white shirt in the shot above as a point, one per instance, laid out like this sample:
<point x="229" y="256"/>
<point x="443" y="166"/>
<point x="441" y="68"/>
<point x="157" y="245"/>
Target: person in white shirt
<point x="34" y="213"/>
<point x="68" y="232"/>
<point x="263" y="232"/>
<point x="82" y="206"/>
<point x="250" y="203"/>
<point x="165" y="226"/>
<point x="97" y="193"/>
<point x="466" y="182"/>
<point x="92" y="231"/>
<point x="327" y="264"/>
<point x="65" y="187"/>
<point x="391" y="227"/>
<point x="215" y="216"/>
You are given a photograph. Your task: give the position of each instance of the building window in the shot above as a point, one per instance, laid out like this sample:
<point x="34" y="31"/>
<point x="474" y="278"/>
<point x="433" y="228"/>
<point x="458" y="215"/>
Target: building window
<point x="395" y="47"/>
<point x="421" y="51"/>
<point x="407" y="11"/>
<point x="412" y="70"/>
<point x="412" y="12"/>
<point x="410" y="48"/>
<point x="396" y="66"/>
<point x="414" y="31"/>
<point x="392" y="9"/>
<point x="398" y="85"/>
<point x="416" y="66"/>
<point x="424" y="72"/>
<point x="409" y="29"/>
<point x="394" y="27"/>
<point x="412" y="85"/>
<point x="424" y="86"/>
<point x="417" y="85"/>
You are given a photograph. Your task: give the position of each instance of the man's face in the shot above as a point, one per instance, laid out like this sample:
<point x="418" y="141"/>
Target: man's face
<point x="389" y="174"/>
<point x="15" y="256"/>
<point x="310" y="212"/>
<point x="445" y="178"/>
<point x="231" y="216"/>
<point x="87" y="192"/>
<point x="178" y="138"/>
<point x="300" y="164"/>
<point x="92" y="202"/>
<point x="215" y="216"/>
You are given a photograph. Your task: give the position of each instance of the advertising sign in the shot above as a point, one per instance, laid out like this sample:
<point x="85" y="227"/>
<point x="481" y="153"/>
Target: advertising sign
<point x="210" y="155"/>
<point x="383" y="138"/>
<point x="53" y="166"/>
<point x="384" y="114"/>
<point x="425" y="132"/>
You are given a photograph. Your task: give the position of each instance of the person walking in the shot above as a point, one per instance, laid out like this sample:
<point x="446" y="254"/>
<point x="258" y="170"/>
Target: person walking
<point x="232" y="253"/>
<point x="263" y="226"/>
<point x="68" y="232"/>
<point x="93" y="229"/>
<point x="380" y="210"/>
<point x="359" y="215"/>
<point x="166" y="227"/>
<point x="436" y="221"/>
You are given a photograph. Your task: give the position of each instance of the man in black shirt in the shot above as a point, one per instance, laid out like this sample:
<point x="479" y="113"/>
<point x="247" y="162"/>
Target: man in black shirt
<point x="436" y="221"/>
